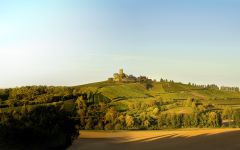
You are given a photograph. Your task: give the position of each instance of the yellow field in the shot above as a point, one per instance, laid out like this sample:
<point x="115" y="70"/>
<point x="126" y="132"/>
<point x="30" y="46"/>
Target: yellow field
<point x="188" y="139"/>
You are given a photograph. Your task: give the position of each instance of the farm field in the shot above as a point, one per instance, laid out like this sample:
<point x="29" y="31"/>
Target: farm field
<point x="187" y="139"/>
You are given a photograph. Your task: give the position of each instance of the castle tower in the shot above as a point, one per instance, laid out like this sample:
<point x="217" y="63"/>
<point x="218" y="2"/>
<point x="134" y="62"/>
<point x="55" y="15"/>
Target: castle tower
<point x="121" y="72"/>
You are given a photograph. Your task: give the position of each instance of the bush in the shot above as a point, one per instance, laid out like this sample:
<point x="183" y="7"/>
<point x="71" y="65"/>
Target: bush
<point x="118" y="126"/>
<point x="108" y="126"/>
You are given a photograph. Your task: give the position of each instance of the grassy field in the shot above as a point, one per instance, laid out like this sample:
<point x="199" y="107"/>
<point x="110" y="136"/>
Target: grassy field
<point x="165" y="90"/>
<point x="124" y="94"/>
<point x="124" y="91"/>
<point x="187" y="139"/>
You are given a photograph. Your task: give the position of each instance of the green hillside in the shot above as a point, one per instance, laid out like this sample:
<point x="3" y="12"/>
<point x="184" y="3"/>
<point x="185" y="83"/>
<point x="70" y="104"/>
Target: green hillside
<point x="162" y="91"/>
<point x="142" y="104"/>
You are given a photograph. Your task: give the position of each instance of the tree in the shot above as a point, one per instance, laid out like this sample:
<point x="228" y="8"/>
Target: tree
<point x="146" y="124"/>
<point x="121" y="120"/>
<point x="214" y="119"/>
<point x="129" y="121"/>
<point x="45" y="127"/>
<point x="81" y="110"/>
<point x="118" y="126"/>
<point x="175" y="120"/>
<point x="203" y="119"/>
<point x="24" y="109"/>
<point x="102" y="106"/>
<point x="227" y="113"/>
<point x="110" y="116"/>
<point x="162" y="121"/>
<point x="109" y="126"/>
<point x="186" y="121"/>
<point x="149" y="84"/>
<point x="89" y="124"/>
<point x="161" y="80"/>
<point x="142" y="117"/>
<point x="142" y="79"/>
<point x="99" y="125"/>
<point x="81" y="104"/>
<point x="236" y="118"/>
<point x="11" y="102"/>
<point x="194" y="119"/>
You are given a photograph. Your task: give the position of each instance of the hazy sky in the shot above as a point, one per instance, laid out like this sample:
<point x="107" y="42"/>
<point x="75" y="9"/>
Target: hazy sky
<point x="71" y="42"/>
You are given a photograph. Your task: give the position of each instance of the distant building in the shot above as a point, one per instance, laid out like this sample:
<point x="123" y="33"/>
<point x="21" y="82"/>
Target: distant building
<point x="120" y="77"/>
<point x="230" y="89"/>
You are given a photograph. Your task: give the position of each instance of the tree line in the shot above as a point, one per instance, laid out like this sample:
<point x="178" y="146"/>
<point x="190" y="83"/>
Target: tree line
<point x="152" y="115"/>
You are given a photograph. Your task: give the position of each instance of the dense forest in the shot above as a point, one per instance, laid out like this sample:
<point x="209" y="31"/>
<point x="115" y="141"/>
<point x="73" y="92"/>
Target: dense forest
<point x="54" y="115"/>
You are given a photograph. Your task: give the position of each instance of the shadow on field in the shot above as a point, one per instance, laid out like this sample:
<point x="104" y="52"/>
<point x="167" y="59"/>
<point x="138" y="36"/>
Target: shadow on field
<point x="220" y="141"/>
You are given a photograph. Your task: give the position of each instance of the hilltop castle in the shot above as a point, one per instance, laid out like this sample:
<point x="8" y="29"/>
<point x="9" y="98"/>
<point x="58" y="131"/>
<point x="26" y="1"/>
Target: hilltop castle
<point x="122" y="77"/>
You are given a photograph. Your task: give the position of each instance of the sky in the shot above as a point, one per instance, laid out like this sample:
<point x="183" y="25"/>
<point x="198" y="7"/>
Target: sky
<point x="73" y="42"/>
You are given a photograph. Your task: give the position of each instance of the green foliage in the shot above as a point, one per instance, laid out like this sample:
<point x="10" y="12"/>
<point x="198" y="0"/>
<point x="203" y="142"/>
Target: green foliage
<point x="129" y="122"/>
<point x="119" y="106"/>
<point x="109" y="126"/>
<point x="227" y="113"/>
<point x="41" y="128"/>
<point x="110" y="116"/>
<point x="214" y="119"/>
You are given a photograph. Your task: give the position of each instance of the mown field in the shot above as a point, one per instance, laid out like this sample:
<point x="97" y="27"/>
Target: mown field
<point x="187" y="139"/>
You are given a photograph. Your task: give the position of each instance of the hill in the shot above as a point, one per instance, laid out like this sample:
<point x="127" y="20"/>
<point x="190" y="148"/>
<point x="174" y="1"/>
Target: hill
<point x="166" y="91"/>
<point x="128" y="102"/>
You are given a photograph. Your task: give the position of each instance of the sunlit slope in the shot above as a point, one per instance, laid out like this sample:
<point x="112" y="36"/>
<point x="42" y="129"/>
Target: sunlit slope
<point x="179" y="90"/>
<point x="125" y="91"/>
<point x="118" y="91"/>
<point x="160" y="90"/>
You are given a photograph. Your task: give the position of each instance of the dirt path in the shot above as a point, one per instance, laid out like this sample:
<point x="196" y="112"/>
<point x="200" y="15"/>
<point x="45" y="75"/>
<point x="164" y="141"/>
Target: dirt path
<point x="192" y="139"/>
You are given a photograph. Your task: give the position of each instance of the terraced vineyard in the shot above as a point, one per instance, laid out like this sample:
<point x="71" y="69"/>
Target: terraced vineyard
<point x="123" y="94"/>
